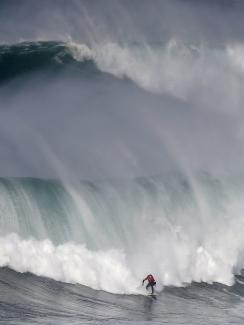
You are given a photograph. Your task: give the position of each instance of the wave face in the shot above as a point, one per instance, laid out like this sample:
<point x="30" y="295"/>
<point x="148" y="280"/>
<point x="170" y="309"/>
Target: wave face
<point x="179" y="230"/>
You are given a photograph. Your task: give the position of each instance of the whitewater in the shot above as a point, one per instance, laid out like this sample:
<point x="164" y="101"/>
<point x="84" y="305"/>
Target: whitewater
<point x="80" y="234"/>
<point x="121" y="155"/>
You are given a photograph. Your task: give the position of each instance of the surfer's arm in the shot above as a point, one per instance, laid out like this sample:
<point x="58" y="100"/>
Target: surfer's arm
<point x="144" y="280"/>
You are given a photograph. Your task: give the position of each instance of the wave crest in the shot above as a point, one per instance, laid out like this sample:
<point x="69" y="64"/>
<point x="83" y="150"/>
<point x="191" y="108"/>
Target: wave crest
<point x="180" y="70"/>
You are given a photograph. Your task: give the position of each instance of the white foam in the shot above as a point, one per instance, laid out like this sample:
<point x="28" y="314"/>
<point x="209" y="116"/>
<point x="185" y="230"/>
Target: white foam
<point x="80" y="52"/>
<point x="69" y="262"/>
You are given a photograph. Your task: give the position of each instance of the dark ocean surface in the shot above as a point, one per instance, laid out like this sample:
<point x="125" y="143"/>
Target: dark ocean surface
<point x="28" y="299"/>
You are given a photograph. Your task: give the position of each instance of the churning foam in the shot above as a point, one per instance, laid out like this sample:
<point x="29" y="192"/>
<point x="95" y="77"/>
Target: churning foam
<point x="69" y="262"/>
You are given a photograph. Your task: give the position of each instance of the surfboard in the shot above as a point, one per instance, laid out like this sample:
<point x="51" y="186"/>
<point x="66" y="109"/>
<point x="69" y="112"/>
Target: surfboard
<point x="154" y="296"/>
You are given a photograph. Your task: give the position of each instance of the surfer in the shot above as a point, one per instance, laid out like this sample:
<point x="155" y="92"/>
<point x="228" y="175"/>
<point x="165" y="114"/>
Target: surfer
<point x="151" y="282"/>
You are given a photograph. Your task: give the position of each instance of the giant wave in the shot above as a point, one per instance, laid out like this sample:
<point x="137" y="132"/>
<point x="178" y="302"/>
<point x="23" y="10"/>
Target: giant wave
<point x="181" y="230"/>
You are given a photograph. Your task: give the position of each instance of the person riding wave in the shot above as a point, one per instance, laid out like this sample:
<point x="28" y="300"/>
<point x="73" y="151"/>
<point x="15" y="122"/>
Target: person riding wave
<point x="151" y="282"/>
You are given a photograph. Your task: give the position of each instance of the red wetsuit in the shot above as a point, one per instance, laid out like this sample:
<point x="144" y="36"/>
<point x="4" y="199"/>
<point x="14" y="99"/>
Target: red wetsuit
<point x="150" y="279"/>
<point x="151" y="282"/>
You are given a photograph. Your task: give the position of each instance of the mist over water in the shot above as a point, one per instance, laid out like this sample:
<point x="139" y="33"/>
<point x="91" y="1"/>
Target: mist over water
<point x="121" y="136"/>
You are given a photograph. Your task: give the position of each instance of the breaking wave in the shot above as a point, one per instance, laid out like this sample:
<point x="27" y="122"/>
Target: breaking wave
<point x="173" y="67"/>
<point x="108" y="235"/>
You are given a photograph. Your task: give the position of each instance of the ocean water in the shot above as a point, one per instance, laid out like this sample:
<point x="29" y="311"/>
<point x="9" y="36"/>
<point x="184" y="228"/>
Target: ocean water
<point x="121" y="154"/>
<point x="78" y="252"/>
